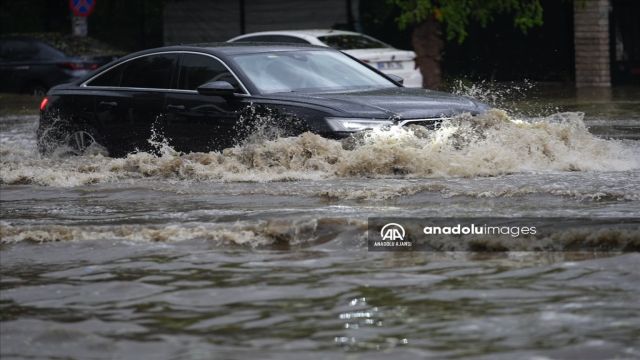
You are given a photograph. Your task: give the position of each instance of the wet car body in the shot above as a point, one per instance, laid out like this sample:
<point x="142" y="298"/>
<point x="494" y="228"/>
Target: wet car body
<point x="114" y="109"/>
<point x="30" y="65"/>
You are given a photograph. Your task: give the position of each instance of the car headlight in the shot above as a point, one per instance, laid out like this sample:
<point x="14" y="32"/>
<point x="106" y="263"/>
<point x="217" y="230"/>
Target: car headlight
<point x="355" y="124"/>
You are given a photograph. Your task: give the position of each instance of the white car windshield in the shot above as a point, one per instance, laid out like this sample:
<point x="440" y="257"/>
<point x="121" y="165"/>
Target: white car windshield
<point x="308" y="70"/>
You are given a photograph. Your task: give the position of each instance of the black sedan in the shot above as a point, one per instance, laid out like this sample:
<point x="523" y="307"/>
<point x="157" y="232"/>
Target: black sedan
<point x="211" y="96"/>
<point x="30" y="65"/>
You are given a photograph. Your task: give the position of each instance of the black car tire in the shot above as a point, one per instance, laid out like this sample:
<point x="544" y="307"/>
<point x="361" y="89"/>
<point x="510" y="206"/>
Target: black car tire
<point x="80" y="141"/>
<point x="70" y="141"/>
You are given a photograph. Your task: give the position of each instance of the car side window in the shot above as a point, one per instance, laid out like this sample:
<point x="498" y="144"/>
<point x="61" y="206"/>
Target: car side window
<point x="48" y="52"/>
<point x="274" y="38"/>
<point x="18" y="50"/>
<point x="153" y="71"/>
<point x="111" y="77"/>
<point x="196" y="70"/>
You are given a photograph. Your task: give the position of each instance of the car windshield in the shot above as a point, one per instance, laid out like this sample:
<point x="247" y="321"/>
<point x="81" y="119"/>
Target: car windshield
<point x="308" y="70"/>
<point x="352" y="42"/>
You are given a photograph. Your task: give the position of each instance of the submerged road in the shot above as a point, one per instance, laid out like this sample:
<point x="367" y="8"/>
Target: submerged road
<point x="261" y="251"/>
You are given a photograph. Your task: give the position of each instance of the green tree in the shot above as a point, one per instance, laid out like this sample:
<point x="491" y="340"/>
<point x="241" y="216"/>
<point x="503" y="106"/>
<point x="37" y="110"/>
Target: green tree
<point x="435" y="21"/>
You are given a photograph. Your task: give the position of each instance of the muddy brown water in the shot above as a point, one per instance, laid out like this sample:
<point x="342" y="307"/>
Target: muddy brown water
<point x="260" y="251"/>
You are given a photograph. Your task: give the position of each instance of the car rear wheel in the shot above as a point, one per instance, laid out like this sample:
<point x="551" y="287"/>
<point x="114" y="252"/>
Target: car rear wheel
<point x="82" y="142"/>
<point x="59" y="140"/>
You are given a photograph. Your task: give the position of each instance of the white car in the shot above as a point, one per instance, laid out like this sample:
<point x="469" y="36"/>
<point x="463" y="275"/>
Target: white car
<point x="382" y="56"/>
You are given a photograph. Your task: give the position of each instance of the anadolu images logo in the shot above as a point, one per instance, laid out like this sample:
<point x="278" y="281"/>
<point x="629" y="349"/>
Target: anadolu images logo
<point x="392" y="232"/>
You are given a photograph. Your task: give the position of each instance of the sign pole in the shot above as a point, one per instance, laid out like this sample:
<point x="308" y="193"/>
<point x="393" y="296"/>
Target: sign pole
<point x="79" y="26"/>
<point x="81" y="10"/>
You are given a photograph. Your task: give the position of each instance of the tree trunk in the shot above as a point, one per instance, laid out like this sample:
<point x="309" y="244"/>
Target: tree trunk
<point x="428" y="44"/>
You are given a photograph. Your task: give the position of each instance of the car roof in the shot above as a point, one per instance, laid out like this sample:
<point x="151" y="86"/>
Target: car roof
<point x="255" y="47"/>
<point x="312" y="35"/>
<point x="224" y="49"/>
<point x="20" y="38"/>
<point x="239" y="48"/>
<point x="307" y="32"/>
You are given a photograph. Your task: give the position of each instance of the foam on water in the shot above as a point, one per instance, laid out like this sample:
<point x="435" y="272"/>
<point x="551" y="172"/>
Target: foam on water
<point x="389" y="193"/>
<point x="487" y="145"/>
<point x="303" y="232"/>
<point x="271" y="232"/>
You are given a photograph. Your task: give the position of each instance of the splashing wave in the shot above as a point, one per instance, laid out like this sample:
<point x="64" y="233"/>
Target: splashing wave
<point x="487" y="145"/>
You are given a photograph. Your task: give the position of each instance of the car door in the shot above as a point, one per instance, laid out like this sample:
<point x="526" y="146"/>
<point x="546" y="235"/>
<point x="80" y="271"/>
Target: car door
<point x="112" y="120"/>
<point x="147" y="80"/>
<point x="197" y="122"/>
<point x="129" y="100"/>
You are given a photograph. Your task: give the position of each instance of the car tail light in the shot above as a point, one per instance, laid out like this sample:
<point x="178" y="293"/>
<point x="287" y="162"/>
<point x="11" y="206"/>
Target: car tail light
<point x="43" y="103"/>
<point x="71" y="66"/>
<point x="77" y="66"/>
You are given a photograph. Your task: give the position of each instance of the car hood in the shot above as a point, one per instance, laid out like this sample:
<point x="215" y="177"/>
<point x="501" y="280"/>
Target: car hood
<point x="401" y="103"/>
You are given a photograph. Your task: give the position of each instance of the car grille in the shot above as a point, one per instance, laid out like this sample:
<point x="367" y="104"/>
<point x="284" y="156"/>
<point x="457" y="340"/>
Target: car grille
<point x="429" y="123"/>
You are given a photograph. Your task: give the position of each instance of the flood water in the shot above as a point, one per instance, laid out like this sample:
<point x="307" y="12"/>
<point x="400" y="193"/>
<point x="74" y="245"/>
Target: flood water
<point x="260" y="251"/>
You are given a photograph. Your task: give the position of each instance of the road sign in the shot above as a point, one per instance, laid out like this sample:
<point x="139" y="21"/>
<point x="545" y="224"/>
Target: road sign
<point x="79" y="26"/>
<point x="82" y="8"/>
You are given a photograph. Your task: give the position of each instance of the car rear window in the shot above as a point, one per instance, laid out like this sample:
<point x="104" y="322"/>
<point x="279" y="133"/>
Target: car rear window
<point x="20" y="50"/>
<point x="17" y="50"/>
<point x="352" y="42"/>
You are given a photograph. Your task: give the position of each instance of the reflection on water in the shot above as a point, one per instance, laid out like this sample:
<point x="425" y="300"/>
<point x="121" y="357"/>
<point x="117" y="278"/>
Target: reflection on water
<point x="191" y="300"/>
<point x="261" y="251"/>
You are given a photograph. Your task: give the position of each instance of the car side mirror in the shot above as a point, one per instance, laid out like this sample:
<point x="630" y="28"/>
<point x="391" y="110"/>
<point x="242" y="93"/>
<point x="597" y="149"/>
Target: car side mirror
<point x="396" y="78"/>
<point x="216" y="88"/>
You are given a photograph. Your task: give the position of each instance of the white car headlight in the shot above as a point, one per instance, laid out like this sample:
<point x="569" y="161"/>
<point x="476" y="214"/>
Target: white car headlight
<point x="355" y="124"/>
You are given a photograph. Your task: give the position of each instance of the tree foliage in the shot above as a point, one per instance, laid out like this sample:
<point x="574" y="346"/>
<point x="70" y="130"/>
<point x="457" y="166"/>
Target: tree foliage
<point x="455" y="15"/>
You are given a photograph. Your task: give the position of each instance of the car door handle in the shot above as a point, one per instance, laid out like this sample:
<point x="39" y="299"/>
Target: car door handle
<point x="108" y="103"/>
<point x="176" y="107"/>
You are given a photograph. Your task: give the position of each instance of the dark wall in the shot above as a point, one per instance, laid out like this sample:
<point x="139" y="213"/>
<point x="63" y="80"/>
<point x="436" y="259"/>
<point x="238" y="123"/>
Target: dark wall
<point x="502" y="52"/>
<point x="377" y="18"/>
<point x="193" y="21"/>
<point x="130" y="24"/>
<point x="20" y="16"/>
<point x="125" y="24"/>
<point x="499" y="51"/>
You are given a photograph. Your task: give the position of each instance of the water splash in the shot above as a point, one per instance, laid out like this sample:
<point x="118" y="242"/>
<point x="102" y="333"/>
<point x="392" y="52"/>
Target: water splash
<point x="487" y="145"/>
<point x="519" y="99"/>
<point x="498" y="95"/>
